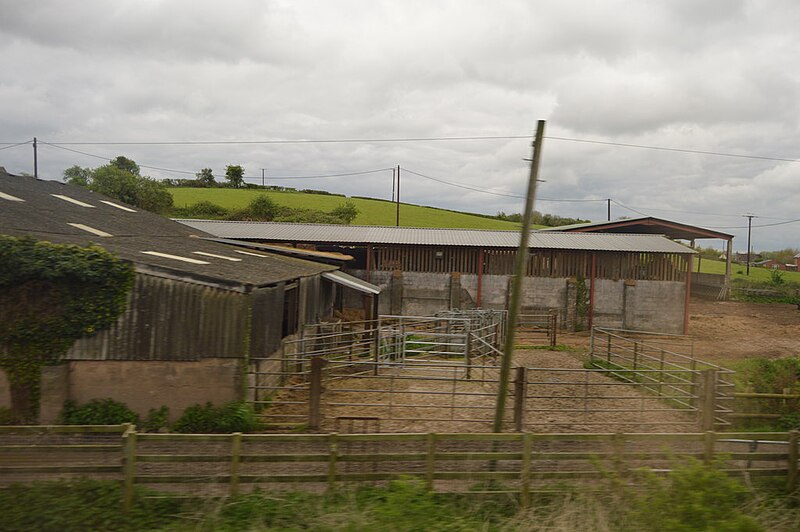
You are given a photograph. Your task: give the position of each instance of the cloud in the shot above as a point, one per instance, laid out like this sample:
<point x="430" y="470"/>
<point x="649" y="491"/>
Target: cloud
<point x="714" y="76"/>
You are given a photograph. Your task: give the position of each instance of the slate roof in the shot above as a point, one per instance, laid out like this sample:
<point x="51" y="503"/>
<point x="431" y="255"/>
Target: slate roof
<point x="360" y="235"/>
<point x="33" y="207"/>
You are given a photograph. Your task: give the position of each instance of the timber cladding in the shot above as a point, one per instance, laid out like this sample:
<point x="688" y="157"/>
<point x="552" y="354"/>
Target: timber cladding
<point x="650" y="266"/>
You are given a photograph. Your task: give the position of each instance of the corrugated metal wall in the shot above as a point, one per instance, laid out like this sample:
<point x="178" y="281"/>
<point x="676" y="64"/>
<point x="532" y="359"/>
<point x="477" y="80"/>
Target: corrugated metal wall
<point x="171" y="320"/>
<point x="267" y="320"/>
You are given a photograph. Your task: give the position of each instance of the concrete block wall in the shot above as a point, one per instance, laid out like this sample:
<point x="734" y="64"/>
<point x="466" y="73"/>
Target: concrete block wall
<point x="141" y="385"/>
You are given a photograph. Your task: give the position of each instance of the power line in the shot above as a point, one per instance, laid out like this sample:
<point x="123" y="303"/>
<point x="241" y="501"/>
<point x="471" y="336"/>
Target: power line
<point x="467" y="187"/>
<point x="15" y="145"/>
<point x="319" y="176"/>
<point x="418" y="139"/>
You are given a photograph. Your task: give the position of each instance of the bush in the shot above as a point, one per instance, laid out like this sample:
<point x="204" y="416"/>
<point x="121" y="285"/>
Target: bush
<point x="7" y="417"/>
<point x="97" y="412"/>
<point x="347" y="211"/>
<point x="692" y="496"/>
<point x="235" y="416"/>
<point x="205" y="209"/>
<point x="157" y="419"/>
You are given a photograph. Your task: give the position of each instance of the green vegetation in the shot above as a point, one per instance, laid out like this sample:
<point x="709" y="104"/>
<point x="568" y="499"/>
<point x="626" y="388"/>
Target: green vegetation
<point x="775" y="376"/>
<point x="763" y="275"/>
<point x="51" y="295"/>
<point x="693" y="497"/>
<point x="763" y="285"/>
<point x="235" y="416"/>
<point x="370" y="211"/>
<point x="97" y="412"/>
<point x="120" y="179"/>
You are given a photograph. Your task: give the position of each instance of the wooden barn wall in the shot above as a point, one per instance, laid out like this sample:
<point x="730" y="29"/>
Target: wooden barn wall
<point x="316" y="299"/>
<point x="171" y="320"/>
<point x="541" y="262"/>
<point x="266" y="335"/>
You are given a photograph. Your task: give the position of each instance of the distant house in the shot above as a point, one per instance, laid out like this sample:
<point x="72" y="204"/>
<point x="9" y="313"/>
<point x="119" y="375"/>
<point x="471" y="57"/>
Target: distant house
<point x="770" y="264"/>
<point x="741" y="257"/>
<point x="202" y="317"/>
<point x="797" y="261"/>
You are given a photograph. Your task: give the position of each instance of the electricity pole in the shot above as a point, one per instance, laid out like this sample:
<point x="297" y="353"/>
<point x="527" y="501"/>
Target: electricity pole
<point x="35" y="160"/>
<point x="608" y="209"/>
<point x="398" y="196"/>
<point x="519" y="275"/>
<point x="262" y="176"/>
<point x="393" y="183"/>
<point x="749" y="228"/>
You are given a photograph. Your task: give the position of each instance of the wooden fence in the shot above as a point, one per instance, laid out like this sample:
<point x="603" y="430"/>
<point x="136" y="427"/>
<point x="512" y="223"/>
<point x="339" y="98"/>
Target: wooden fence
<point x="518" y="464"/>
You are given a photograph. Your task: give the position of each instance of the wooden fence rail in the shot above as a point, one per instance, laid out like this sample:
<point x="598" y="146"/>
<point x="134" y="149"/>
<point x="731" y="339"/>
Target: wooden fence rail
<point x="514" y="463"/>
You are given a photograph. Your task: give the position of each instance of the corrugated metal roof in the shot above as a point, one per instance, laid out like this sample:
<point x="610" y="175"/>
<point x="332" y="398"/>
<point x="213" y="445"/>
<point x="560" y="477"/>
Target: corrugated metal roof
<point x="646" y="224"/>
<point x="148" y="240"/>
<point x="360" y="234"/>
<point x="349" y="281"/>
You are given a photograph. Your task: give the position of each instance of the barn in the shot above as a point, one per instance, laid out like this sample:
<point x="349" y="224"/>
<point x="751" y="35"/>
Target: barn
<point x="199" y="310"/>
<point x="632" y="281"/>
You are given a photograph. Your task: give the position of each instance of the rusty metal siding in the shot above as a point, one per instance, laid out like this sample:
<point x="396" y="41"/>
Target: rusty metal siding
<point x="171" y="320"/>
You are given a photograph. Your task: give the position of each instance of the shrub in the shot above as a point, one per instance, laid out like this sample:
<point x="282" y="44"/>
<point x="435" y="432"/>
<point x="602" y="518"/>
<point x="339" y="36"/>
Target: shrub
<point x="347" y="211"/>
<point x="206" y="209"/>
<point x="235" y="416"/>
<point x="97" y="412"/>
<point x="692" y="496"/>
<point x="156" y="419"/>
<point x="7" y="417"/>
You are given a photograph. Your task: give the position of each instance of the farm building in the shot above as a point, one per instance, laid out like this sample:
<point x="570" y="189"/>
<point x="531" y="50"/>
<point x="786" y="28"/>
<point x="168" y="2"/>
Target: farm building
<point x="705" y="284"/>
<point x="621" y="280"/>
<point x="199" y="310"/>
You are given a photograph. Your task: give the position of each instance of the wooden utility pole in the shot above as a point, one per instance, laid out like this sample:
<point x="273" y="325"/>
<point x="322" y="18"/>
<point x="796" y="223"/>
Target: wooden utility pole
<point x="35" y="159"/>
<point x="393" y="183"/>
<point x="749" y="249"/>
<point x="608" y="209"/>
<point x="398" y="196"/>
<point x="262" y="176"/>
<point x="519" y="275"/>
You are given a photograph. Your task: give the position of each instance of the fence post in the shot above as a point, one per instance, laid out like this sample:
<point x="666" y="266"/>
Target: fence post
<point x="708" y="399"/>
<point x="553" y="325"/>
<point x="236" y="449"/>
<point x="430" y="461"/>
<point x="608" y="348"/>
<point x="525" y="473"/>
<point x="708" y="446"/>
<point x="520" y="393"/>
<point x="315" y="393"/>
<point x="129" y="467"/>
<point x="791" y="477"/>
<point x="332" y="459"/>
<point x="468" y="352"/>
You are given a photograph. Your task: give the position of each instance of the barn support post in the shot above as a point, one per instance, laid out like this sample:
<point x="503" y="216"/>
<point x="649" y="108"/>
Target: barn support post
<point x="688" y="294"/>
<point x="315" y="393"/>
<point x="728" y="257"/>
<point x="480" y="278"/>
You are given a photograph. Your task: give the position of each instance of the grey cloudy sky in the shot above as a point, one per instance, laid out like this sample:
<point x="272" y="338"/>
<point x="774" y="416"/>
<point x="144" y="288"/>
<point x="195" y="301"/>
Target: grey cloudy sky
<point x="707" y="75"/>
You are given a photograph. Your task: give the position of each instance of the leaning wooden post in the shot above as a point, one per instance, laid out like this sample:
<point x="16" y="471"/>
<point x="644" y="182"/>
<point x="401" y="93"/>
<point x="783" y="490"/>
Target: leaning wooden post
<point x="129" y="467"/>
<point x="553" y="327"/>
<point x="315" y="393"/>
<point x="520" y="267"/>
<point x="791" y="477"/>
<point x="520" y="393"/>
<point x="236" y="450"/>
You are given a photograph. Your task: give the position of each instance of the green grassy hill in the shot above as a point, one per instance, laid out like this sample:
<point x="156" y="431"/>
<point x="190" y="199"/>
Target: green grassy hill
<point x="370" y="212"/>
<point x="738" y="271"/>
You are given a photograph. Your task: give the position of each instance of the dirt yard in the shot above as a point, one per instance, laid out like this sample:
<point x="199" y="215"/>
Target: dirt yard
<point x="732" y="330"/>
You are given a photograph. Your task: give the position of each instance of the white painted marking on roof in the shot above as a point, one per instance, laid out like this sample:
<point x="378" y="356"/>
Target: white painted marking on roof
<point x="121" y="207"/>
<point x="72" y="200"/>
<point x="248" y="253"/>
<point x="216" y="256"/>
<point x="9" y="197"/>
<point x="89" y="229"/>
<point x="175" y="257"/>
